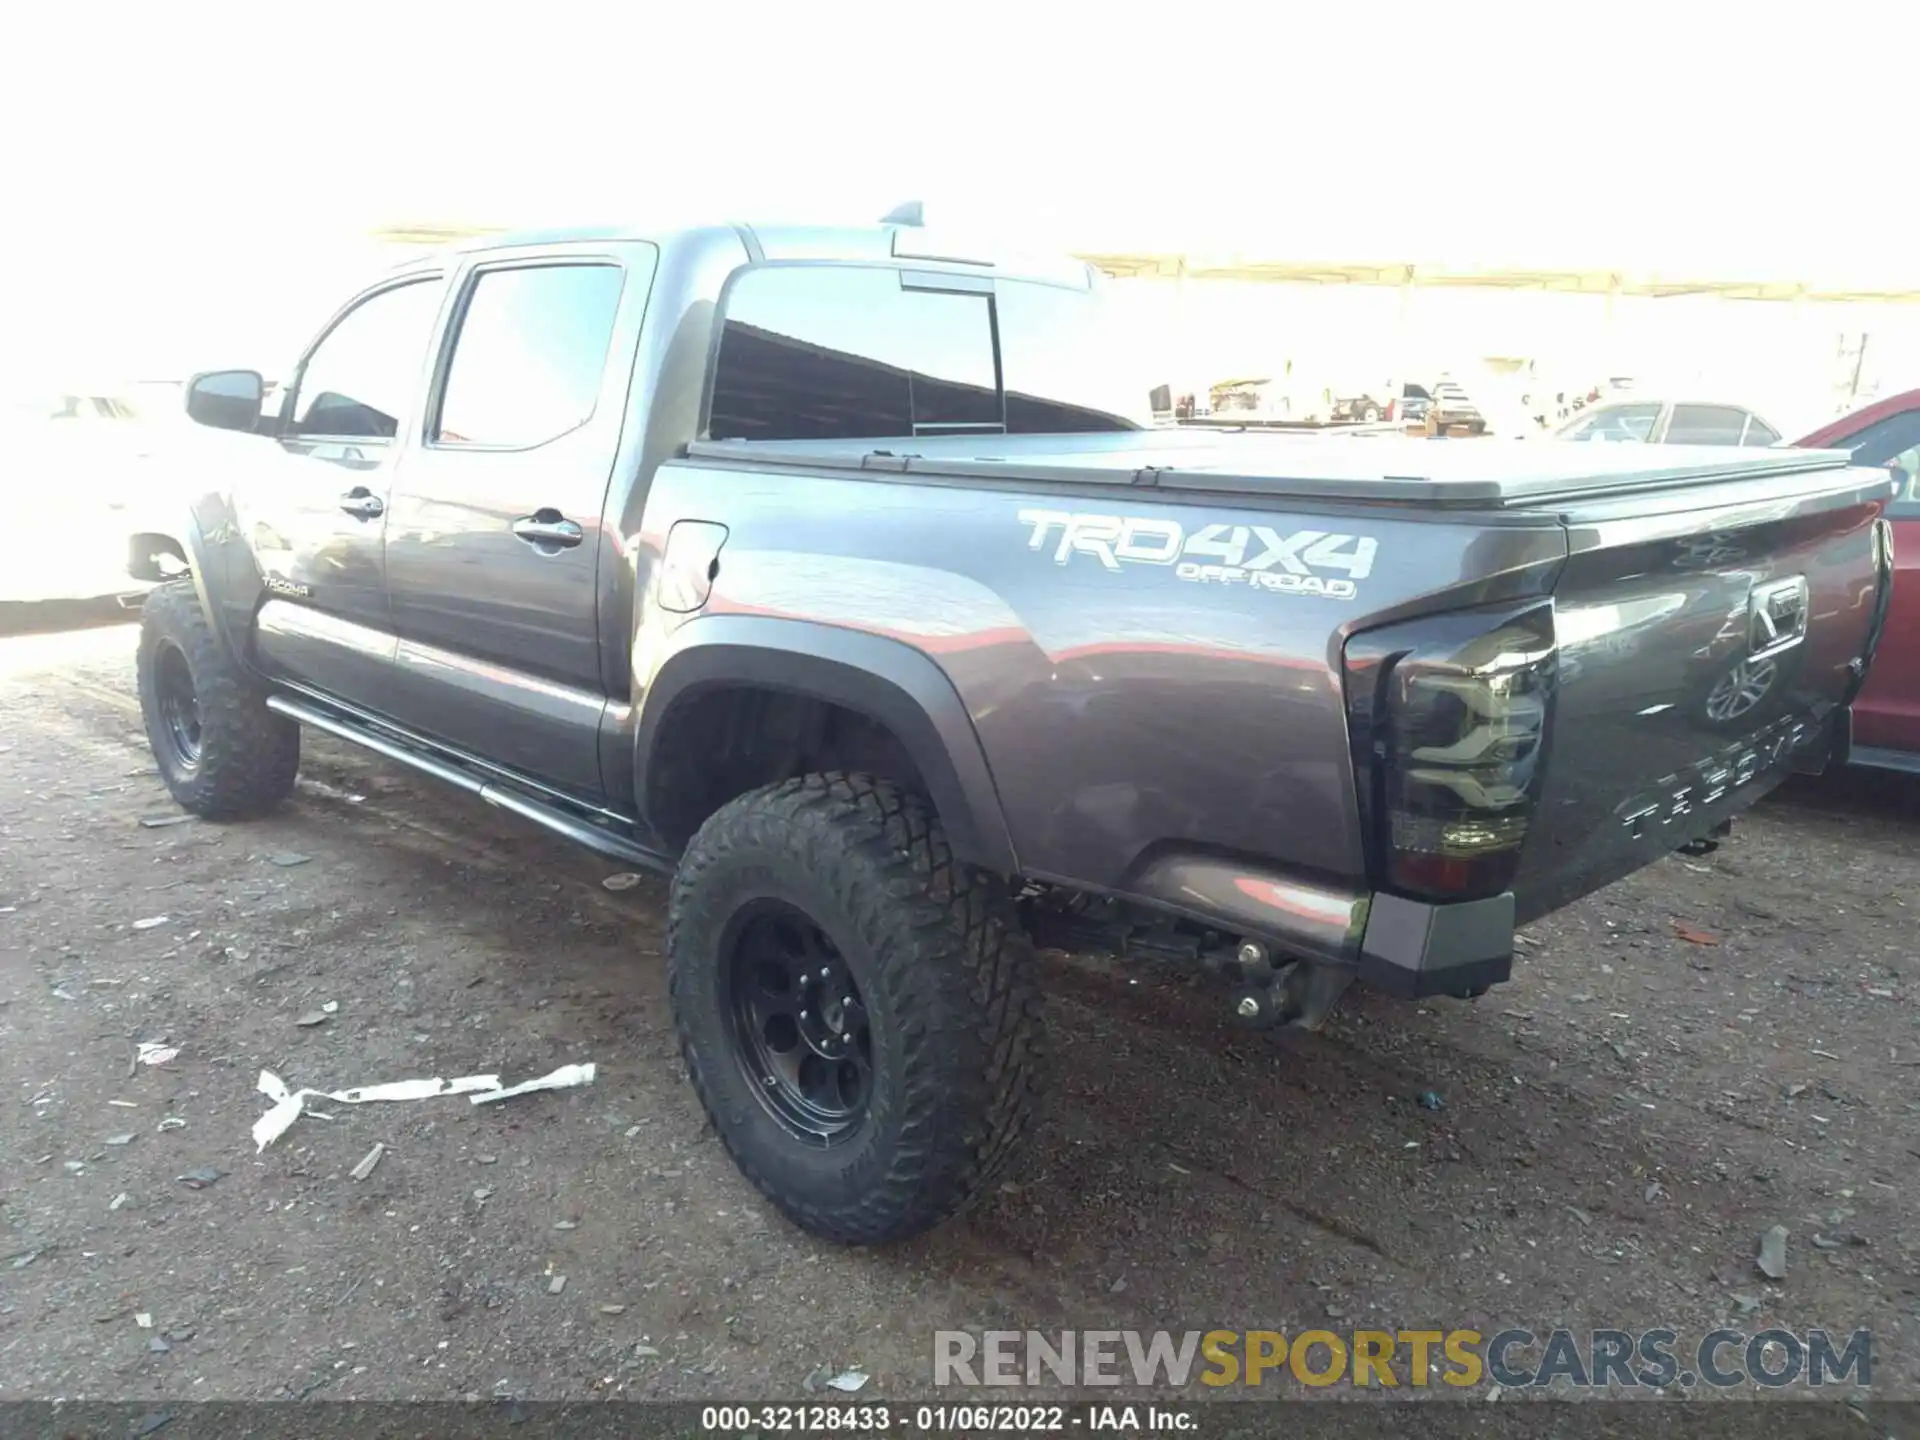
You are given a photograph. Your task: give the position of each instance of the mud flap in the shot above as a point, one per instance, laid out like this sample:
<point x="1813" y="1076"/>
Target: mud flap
<point x="1833" y="751"/>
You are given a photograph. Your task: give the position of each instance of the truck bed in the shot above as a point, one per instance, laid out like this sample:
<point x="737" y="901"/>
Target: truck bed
<point x="1397" y="469"/>
<point x="1704" y="613"/>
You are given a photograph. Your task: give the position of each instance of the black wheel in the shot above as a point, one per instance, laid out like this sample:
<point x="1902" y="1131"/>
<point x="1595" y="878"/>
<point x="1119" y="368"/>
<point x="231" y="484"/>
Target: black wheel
<point x="223" y="754"/>
<point x="857" y="1010"/>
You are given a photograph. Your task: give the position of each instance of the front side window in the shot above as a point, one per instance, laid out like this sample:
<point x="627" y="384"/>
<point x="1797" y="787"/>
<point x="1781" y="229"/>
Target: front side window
<point x="359" y="379"/>
<point x="1905" y="468"/>
<point x="1706" y="425"/>
<point x="1615" y="422"/>
<point x="529" y="355"/>
<point x="1894" y="444"/>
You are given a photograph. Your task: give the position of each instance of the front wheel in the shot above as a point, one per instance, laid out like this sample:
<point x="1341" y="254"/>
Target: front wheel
<point x="857" y="1010"/>
<point x="223" y="754"/>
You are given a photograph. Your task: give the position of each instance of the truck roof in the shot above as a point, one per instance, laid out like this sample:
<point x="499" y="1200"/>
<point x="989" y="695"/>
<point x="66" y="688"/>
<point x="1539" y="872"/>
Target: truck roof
<point x="1422" y="473"/>
<point x="870" y="244"/>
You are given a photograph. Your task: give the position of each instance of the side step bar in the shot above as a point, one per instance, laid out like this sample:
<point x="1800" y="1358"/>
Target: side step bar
<point x="550" y="817"/>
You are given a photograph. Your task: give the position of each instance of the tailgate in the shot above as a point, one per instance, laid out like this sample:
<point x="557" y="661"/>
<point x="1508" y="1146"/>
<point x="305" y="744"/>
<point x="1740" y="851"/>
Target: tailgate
<point x="1701" y="643"/>
<point x="1706" y="647"/>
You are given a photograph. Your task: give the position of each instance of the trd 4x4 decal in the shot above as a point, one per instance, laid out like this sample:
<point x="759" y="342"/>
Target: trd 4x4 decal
<point x="1254" y="555"/>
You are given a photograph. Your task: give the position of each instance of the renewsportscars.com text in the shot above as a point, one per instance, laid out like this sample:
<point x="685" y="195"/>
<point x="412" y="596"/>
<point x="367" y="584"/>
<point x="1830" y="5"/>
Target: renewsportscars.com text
<point x="1388" y="1359"/>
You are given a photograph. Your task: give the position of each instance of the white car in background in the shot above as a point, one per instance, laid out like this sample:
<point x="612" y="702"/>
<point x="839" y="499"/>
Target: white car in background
<point x="86" y="498"/>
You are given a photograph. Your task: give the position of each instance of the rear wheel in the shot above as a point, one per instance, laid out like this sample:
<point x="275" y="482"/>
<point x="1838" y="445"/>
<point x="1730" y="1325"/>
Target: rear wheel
<point x="222" y="753"/>
<point x="857" y="1010"/>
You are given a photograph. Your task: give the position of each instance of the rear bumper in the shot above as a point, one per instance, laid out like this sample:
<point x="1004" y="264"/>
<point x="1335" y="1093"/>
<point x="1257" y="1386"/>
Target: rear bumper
<point x="1405" y="947"/>
<point x="1413" y="950"/>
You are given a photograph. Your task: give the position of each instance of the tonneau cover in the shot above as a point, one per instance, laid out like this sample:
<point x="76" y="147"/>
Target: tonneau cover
<point x="1408" y="470"/>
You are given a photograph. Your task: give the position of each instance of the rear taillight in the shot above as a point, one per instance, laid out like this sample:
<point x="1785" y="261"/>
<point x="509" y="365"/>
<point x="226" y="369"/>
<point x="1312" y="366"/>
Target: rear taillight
<point x="1450" y="718"/>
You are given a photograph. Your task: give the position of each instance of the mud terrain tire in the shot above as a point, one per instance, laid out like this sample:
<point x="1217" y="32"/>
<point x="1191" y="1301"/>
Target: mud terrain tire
<point x="223" y="754"/>
<point x="945" y="984"/>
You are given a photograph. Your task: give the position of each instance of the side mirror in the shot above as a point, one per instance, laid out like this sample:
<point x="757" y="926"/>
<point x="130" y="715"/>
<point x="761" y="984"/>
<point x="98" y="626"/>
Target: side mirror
<point x="226" y="399"/>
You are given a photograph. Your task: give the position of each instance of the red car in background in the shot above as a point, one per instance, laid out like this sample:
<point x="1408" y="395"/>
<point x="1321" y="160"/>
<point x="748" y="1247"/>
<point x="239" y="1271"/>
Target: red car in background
<point x="1886" y="716"/>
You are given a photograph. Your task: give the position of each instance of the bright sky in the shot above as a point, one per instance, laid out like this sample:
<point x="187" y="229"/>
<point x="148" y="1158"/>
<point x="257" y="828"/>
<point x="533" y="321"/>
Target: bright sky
<point x="1669" y="137"/>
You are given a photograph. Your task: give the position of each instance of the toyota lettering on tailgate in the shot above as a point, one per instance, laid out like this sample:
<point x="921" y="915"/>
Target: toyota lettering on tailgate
<point x="1303" y="562"/>
<point x="1678" y="797"/>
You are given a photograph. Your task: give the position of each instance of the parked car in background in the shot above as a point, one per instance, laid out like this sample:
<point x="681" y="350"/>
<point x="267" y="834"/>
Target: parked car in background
<point x="1670" y="422"/>
<point x="1450" y="406"/>
<point x="1886" y="717"/>
<point x="1361" y="409"/>
<point x="80" y="462"/>
<point x="1382" y="400"/>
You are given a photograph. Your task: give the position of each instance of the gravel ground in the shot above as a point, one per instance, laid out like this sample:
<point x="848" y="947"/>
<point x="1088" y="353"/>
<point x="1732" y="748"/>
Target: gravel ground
<point x="1714" y="1047"/>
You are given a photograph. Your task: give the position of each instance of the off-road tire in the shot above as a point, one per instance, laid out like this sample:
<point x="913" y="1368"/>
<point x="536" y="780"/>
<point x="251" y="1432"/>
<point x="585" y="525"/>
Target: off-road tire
<point x="248" y="756"/>
<point x="946" y="974"/>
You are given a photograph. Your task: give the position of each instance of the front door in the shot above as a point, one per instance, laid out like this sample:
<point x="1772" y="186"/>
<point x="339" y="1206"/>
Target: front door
<point x="495" y="530"/>
<point x="1887" y="714"/>
<point x="315" y="513"/>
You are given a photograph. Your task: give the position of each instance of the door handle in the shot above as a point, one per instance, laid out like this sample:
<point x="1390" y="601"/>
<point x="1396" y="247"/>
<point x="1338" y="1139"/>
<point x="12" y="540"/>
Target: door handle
<point x="546" y="528"/>
<point x="363" y="504"/>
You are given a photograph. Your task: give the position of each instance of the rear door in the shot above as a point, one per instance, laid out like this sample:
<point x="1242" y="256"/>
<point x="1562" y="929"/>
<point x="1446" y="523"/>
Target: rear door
<point x="315" y="512"/>
<point x="1886" y="715"/>
<point x="495" y="530"/>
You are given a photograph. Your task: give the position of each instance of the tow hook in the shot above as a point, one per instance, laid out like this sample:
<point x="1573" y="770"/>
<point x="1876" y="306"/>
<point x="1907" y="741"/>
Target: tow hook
<point x="1298" y="993"/>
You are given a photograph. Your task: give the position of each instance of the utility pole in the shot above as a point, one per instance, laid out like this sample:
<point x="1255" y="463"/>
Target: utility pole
<point x="1859" y="359"/>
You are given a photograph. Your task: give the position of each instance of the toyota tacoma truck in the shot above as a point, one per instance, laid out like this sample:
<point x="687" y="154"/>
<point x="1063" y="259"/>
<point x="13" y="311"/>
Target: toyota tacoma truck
<point x="838" y="574"/>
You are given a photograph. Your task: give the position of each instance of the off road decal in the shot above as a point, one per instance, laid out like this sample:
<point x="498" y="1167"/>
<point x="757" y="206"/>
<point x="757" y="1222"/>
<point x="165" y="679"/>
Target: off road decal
<point x="1254" y="555"/>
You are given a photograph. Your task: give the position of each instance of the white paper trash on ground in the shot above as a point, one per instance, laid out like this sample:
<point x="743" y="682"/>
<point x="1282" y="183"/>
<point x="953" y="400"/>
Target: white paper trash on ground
<point x="289" y="1104"/>
<point x="565" y="1078"/>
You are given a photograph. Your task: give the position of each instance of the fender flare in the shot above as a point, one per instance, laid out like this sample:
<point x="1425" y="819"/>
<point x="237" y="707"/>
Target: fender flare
<point x="211" y="537"/>
<point x="199" y="557"/>
<point x="884" y="679"/>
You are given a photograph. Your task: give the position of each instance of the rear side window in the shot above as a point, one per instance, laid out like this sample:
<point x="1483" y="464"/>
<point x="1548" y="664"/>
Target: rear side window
<point x="360" y="378"/>
<point x="841" y="353"/>
<point x="1759" y="432"/>
<point x="529" y="355"/>
<point x="1706" y="425"/>
<point x="1616" y="422"/>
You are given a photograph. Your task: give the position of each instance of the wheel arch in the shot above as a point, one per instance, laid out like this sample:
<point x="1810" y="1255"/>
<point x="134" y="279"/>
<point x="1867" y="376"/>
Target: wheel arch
<point x="882" y="680"/>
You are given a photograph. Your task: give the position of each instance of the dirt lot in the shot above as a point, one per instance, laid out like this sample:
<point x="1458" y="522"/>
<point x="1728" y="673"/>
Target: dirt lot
<point x="1714" y="1047"/>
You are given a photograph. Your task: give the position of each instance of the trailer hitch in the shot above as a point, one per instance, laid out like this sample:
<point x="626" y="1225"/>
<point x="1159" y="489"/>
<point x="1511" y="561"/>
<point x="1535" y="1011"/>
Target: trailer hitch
<point x="1296" y="993"/>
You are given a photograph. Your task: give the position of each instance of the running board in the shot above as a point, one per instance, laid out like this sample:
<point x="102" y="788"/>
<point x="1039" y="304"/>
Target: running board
<point x="549" y="817"/>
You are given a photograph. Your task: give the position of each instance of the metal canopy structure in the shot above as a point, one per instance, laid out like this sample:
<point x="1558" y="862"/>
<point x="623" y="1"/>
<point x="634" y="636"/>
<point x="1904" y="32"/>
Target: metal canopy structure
<point x="1433" y="276"/>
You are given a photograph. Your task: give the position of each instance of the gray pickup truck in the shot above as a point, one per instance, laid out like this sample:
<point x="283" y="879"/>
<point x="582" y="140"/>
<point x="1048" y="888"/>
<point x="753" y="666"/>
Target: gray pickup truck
<point x="837" y="573"/>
